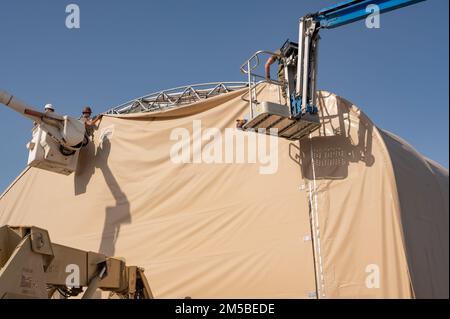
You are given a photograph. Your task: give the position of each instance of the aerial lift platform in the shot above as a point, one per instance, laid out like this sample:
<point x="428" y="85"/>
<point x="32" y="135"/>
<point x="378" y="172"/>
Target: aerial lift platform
<point x="56" y="139"/>
<point x="299" y="117"/>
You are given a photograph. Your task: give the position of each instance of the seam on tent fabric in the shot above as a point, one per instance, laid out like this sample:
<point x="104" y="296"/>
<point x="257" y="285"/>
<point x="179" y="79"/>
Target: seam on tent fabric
<point x="14" y="182"/>
<point x="315" y="222"/>
<point x="311" y="225"/>
<point x="396" y="199"/>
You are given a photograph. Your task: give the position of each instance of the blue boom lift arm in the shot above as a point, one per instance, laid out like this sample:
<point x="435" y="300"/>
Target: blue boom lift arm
<point x="304" y="99"/>
<point x="354" y="10"/>
<point x="300" y="68"/>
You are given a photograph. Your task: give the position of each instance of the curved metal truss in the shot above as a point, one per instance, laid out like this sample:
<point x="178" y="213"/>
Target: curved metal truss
<point x="182" y="95"/>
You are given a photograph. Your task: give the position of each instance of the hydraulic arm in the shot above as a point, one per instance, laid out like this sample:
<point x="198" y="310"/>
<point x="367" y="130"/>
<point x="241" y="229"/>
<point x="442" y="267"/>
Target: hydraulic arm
<point x="303" y="100"/>
<point x="31" y="266"/>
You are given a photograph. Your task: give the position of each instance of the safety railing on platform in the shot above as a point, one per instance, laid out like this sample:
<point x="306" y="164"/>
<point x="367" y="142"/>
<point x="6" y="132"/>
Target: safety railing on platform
<point x="254" y="79"/>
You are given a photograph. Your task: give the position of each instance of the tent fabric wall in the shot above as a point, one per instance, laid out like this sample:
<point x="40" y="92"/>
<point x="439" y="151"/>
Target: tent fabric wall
<point x="354" y="202"/>
<point x="423" y="194"/>
<point x="328" y="223"/>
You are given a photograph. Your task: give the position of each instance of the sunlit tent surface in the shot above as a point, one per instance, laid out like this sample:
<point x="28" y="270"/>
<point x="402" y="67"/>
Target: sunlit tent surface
<point x="350" y="212"/>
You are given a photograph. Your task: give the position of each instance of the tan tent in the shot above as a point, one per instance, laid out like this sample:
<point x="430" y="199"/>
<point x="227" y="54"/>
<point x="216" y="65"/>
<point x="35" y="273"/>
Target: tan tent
<point x="350" y="212"/>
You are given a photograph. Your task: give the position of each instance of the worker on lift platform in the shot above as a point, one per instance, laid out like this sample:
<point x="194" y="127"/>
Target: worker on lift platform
<point x="88" y="121"/>
<point x="277" y="57"/>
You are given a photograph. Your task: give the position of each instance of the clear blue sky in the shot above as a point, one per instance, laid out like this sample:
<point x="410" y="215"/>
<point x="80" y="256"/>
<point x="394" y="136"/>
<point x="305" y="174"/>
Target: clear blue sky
<point x="397" y="74"/>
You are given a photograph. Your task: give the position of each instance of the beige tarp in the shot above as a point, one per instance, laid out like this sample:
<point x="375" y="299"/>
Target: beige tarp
<point x="351" y="212"/>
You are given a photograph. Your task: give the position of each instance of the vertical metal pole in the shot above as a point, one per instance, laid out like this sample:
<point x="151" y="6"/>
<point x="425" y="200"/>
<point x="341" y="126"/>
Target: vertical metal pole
<point x="255" y="93"/>
<point x="305" y="74"/>
<point x="298" y="86"/>
<point x="250" y="89"/>
<point x="315" y="70"/>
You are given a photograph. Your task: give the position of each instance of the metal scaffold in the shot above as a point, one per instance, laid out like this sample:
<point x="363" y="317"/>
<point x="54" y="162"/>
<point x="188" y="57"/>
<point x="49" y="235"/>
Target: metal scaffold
<point x="174" y="97"/>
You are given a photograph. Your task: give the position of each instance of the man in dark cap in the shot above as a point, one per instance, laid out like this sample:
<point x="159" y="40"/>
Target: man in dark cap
<point x="88" y="121"/>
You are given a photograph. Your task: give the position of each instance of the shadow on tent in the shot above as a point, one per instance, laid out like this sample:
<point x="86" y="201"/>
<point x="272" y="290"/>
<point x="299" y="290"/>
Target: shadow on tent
<point x="116" y="215"/>
<point x="333" y="149"/>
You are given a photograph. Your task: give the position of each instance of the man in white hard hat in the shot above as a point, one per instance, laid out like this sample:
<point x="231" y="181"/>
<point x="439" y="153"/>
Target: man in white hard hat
<point x="48" y="108"/>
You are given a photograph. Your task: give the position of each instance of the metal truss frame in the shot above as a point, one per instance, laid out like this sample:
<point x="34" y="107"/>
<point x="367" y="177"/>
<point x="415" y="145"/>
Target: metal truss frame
<point x="174" y="97"/>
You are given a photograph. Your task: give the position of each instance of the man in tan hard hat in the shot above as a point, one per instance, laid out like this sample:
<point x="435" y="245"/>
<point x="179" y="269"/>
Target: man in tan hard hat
<point x="88" y="121"/>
